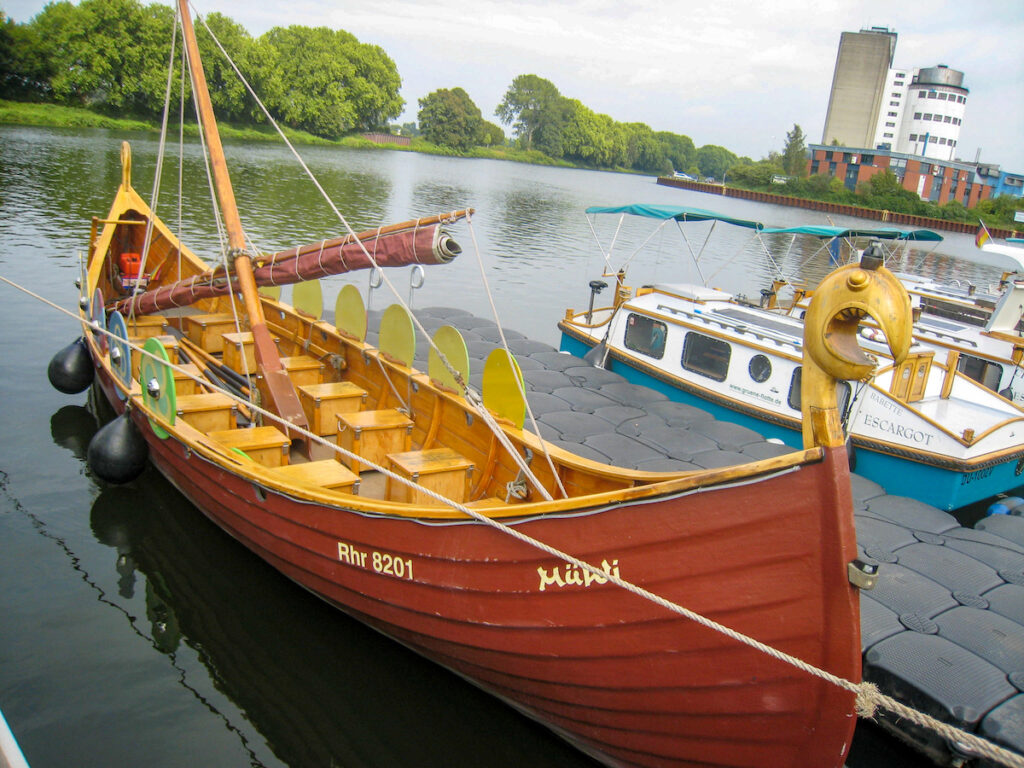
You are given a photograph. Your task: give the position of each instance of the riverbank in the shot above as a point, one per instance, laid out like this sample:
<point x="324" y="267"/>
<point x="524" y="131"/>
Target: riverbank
<point x="888" y="217"/>
<point x="57" y="116"/>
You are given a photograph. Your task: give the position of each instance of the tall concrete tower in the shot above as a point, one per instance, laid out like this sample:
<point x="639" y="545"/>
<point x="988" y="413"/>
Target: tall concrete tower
<point x="858" y="86"/>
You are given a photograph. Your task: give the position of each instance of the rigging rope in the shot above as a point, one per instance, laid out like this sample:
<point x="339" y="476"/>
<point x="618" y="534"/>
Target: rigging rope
<point x="155" y="196"/>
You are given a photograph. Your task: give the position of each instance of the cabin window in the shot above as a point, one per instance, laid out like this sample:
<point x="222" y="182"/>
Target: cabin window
<point x="645" y="335"/>
<point x="760" y="368"/>
<point x="706" y="356"/>
<point x="843" y="391"/>
<point x="982" y="371"/>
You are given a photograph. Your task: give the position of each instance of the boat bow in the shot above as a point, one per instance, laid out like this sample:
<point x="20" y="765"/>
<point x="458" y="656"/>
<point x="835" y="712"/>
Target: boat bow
<point x="831" y="348"/>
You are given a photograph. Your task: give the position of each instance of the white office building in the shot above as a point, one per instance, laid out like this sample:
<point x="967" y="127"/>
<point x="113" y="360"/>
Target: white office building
<point x="935" y="105"/>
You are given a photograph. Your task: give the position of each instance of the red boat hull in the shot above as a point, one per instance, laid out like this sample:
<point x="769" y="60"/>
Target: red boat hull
<point x="624" y="679"/>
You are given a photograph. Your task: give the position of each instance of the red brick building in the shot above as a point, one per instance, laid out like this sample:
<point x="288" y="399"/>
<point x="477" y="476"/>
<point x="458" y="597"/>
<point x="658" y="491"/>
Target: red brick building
<point x="937" y="181"/>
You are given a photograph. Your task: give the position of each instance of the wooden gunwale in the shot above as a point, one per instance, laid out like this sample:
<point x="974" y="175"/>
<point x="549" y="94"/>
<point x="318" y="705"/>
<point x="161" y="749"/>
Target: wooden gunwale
<point x="646" y="484"/>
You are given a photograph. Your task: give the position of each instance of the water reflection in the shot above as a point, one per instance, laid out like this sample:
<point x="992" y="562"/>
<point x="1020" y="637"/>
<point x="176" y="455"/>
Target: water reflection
<point x="72" y="427"/>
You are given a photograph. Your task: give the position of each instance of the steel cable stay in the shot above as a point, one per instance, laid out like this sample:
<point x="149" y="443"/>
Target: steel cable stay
<point x="868" y="697"/>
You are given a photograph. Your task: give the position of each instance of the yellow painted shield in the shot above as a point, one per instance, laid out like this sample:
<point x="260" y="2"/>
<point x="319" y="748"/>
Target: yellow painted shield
<point x="502" y="387"/>
<point x="308" y="298"/>
<point x="397" y="335"/>
<point x="350" y="313"/>
<point x="451" y="344"/>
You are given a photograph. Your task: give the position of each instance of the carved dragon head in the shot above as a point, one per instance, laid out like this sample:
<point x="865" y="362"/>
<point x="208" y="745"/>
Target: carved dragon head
<point x="831" y="348"/>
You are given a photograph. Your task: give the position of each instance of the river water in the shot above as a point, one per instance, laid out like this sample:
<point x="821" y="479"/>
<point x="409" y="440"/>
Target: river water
<point x="133" y="632"/>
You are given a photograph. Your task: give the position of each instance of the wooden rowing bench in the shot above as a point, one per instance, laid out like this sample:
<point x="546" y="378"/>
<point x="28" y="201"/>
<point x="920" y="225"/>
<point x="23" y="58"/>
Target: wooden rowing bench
<point x="303" y="370"/>
<point x="267" y="445"/>
<point x="326" y="473"/>
<point x="373" y="435"/>
<point x="441" y="470"/>
<point x="207" y="331"/>
<point x="322" y="403"/>
<point x="207" y="411"/>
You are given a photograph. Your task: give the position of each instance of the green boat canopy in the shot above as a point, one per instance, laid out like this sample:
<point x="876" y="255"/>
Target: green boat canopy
<point x="679" y="213"/>
<point x="684" y="213"/>
<point x="882" y="233"/>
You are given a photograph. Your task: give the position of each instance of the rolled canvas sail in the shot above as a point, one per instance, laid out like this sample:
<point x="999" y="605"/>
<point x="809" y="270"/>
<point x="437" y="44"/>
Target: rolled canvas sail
<point x="418" y="245"/>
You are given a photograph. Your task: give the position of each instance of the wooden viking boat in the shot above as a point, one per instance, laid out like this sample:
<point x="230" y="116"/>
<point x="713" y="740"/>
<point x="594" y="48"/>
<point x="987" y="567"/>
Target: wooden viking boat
<point x="767" y="548"/>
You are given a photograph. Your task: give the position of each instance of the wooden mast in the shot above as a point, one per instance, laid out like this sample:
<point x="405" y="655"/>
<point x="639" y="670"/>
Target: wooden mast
<point x="276" y="390"/>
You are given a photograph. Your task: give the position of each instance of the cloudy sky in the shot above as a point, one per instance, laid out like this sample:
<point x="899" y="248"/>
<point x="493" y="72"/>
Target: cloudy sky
<point x="728" y="72"/>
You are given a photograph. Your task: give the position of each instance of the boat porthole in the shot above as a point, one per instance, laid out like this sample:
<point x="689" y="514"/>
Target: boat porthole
<point x="760" y="368"/>
<point x="259" y="492"/>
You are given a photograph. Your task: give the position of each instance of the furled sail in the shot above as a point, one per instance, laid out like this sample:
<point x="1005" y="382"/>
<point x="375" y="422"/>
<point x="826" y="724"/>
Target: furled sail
<point x="398" y="246"/>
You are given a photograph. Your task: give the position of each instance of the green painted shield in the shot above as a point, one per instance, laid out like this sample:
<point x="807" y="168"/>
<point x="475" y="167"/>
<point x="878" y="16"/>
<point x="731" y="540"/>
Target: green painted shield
<point x="350" y="313"/>
<point x="157" y="381"/>
<point x="271" y="292"/>
<point x="503" y="387"/>
<point x="397" y="335"/>
<point x="451" y="344"/>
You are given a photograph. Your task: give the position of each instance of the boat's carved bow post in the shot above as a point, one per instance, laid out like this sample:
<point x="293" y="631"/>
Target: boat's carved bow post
<point x="831" y="348"/>
<point x="126" y="165"/>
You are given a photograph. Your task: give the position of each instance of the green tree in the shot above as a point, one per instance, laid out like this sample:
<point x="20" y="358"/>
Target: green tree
<point x="110" y="54"/>
<point x="24" y="72"/>
<point x="794" y="155"/>
<point x="679" y="150"/>
<point x="755" y="175"/>
<point x="583" y="136"/>
<point x="228" y="95"/>
<point x="327" y="82"/>
<point x="535" y="110"/>
<point x="374" y="86"/>
<point x="449" y="118"/>
<point x="714" y="161"/>
<point x="410" y="129"/>
<point x="884" y="191"/>
<point x="494" y="136"/>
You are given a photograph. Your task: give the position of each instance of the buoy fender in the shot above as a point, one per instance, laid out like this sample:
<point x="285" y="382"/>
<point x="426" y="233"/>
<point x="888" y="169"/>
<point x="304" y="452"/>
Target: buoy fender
<point x="70" y="371"/>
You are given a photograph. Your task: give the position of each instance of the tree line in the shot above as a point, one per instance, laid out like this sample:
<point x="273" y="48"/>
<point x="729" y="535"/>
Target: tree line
<point x="112" y="56"/>
<point x="544" y="121"/>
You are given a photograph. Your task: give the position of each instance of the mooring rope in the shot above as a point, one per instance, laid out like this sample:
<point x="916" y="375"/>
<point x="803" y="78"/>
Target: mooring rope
<point x="868" y="698"/>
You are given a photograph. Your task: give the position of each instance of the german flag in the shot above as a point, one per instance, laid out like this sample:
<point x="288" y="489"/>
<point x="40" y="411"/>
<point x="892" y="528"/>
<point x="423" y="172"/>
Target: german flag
<point x="983" y="236"/>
